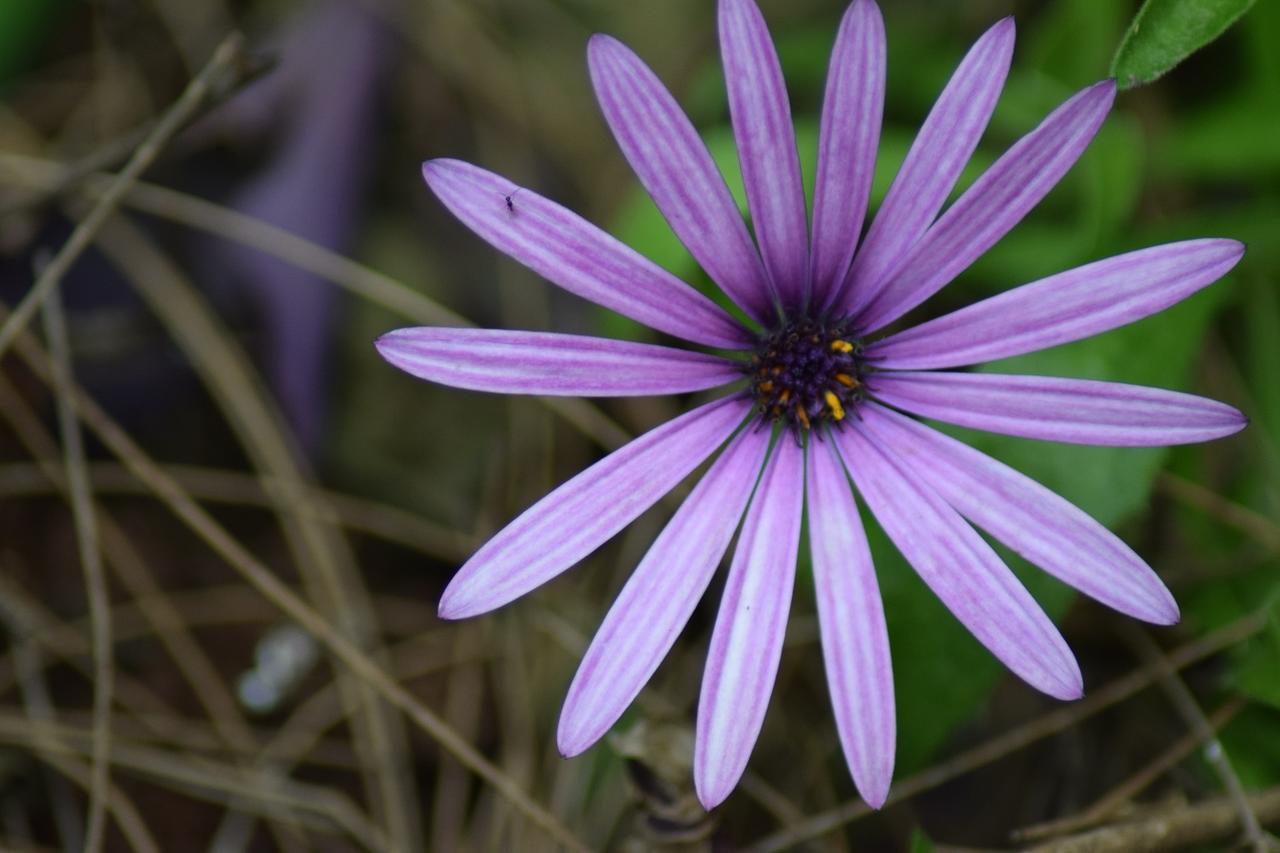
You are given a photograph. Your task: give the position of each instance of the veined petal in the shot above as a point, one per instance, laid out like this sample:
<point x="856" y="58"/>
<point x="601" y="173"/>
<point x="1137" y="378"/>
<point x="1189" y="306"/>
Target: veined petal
<point x="746" y="645"/>
<point x="1079" y="411"/>
<point x="850" y="134"/>
<point x="761" y="116"/>
<point x="855" y="641"/>
<point x="933" y="165"/>
<point x="1065" y="307"/>
<point x="661" y="594"/>
<point x="961" y="568"/>
<point x="568" y="251"/>
<point x="576" y="518"/>
<point x="675" y="167"/>
<point x="547" y="363"/>
<point x="995" y="203"/>
<point x="1041" y="526"/>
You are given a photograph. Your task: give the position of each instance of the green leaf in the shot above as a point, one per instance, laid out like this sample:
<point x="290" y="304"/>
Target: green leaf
<point x="1165" y="32"/>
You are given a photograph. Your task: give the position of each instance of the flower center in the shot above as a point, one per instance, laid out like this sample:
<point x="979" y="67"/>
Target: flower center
<point x="806" y="372"/>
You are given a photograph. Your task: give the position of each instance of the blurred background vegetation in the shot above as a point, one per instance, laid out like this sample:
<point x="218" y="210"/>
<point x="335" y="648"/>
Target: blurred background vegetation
<point x="223" y="318"/>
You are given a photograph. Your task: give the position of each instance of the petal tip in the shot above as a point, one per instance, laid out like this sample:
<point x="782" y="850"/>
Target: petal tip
<point x="874" y="787"/>
<point x="570" y="742"/>
<point x="709" y="794"/>
<point x="456" y="604"/>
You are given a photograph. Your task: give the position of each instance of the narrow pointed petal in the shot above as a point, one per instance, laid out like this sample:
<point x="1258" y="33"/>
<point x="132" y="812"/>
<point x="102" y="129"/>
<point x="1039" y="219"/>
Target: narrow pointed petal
<point x="1078" y="411"/>
<point x="746" y="644"/>
<point x="852" y="110"/>
<point x="1036" y="523"/>
<point x="995" y="203"/>
<point x="761" y="116"/>
<point x="570" y="252"/>
<point x="581" y="514"/>
<point x="1066" y="307"/>
<point x="855" y="641"/>
<point x="506" y="362"/>
<point x="675" y="167"/>
<point x="661" y="594"/>
<point x="961" y="569"/>
<point x="933" y="165"/>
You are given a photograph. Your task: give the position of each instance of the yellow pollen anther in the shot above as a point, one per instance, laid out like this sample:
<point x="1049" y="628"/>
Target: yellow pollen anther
<point x="842" y="346"/>
<point x="846" y="380"/>
<point x="784" y="396"/>
<point x="765" y="387"/>
<point x="803" y="417"/>
<point x="833" y="403"/>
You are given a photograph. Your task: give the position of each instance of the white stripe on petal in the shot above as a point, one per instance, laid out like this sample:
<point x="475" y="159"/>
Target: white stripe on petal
<point x="1043" y="527"/>
<point x="508" y="362"/>
<point x="933" y="165"/>
<point x="855" y="641"/>
<point x="658" y="599"/>
<point x="570" y="252"/>
<point x="761" y="116"/>
<point x="960" y="568"/>
<point x="1051" y="408"/>
<point x="851" y="113"/>
<point x="1069" y="306"/>
<point x="746" y="645"/>
<point x="581" y="514"/>
<point x="996" y="202"/>
<point x="674" y="165"/>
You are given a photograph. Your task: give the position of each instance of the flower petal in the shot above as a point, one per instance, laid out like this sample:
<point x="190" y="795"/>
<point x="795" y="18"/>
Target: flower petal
<point x="576" y="518"/>
<point x="850" y="133"/>
<point x="961" y="568"/>
<point x="547" y="363"/>
<point x="1041" y="526"/>
<point x="995" y="203"/>
<point x="569" y="251"/>
<point x="761" y="116"/>
<point x="661" y="594"/>
<point x="933" y="165"/>
<point x="1079" y="411"/>
<point x="674" y="165"/>
<point x="747" y="642"/>
<point x="855" y="641"/>
<point x="1065" y="307"/>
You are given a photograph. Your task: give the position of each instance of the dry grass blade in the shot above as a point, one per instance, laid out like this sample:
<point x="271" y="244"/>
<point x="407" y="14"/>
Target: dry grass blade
<point x="356" y="278"/>
<point x="95" y="582"/>
<point x="262" y="579"/>
<point x="1193" y="715"/>
<point x="381" y="520"/>
<point x="1124" y="793"/>
<point x="321" y="553"/>
<point x="1171" y="829"/>
<point x="209" y="779"/>
<point x="224" y="58"/>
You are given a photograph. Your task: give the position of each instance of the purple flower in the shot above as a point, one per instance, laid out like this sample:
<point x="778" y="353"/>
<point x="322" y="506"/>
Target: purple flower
<point x="834" y="392"/>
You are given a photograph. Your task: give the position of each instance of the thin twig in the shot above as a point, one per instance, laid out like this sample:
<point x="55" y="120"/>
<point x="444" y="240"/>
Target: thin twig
<point x="382" y="520"/>
<point x="169" y="627"/>
<point x="1017" y="738"/>
<point x="1256" y="526"/>
<point x="1193" y="715"/>
<point x="323" y="262"/>
<point x="321" y="552"/>
<point x="262" y="578"/>
<point x="227" y="54"/>
<point x="1109" y="804"/>
<point x="1170" y="829"/>
<point x="95" y="582"/>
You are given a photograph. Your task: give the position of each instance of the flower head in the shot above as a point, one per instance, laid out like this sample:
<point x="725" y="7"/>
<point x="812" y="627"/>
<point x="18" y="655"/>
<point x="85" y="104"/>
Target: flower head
<point x="812" y="365"/>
